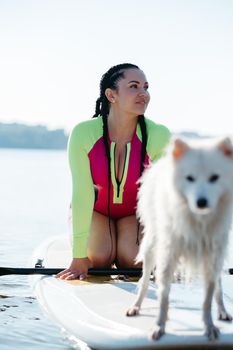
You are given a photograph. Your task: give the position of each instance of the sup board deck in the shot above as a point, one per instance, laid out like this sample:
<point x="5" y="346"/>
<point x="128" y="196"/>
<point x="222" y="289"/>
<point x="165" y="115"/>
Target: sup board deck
<point x="93" y="312"/>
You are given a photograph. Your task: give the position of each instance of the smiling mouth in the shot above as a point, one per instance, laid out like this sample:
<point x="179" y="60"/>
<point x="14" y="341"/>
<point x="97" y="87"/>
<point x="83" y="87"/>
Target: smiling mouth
<point x="141" y="103"/>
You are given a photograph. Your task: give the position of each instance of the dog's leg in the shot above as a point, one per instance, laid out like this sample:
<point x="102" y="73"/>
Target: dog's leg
<point x="148" y="266"/>
<point x="223" y="315"/>
<point x="211" y="331"/>
<point x="164" y="279"/>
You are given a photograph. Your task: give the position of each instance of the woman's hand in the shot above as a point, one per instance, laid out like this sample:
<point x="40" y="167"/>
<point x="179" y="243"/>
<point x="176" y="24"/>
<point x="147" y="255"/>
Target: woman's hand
<point x="78" y="269"/>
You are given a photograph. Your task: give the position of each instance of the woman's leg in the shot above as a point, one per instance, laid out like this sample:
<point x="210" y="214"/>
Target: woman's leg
<point x="128" y="239"/>
<point x="101" y="245"/>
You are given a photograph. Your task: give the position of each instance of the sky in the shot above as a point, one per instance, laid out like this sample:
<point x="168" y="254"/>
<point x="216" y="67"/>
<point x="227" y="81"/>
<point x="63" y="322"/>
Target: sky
<point x="54" y="52"/>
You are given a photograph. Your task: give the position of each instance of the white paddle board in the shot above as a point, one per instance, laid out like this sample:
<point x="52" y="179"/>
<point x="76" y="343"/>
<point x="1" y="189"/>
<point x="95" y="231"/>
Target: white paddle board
<point x="92" y="312"/>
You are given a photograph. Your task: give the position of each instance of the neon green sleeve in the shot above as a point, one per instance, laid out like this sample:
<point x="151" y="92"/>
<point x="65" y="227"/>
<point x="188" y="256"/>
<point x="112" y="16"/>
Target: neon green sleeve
<point x="83" y="190"/>
<point x="158" y="138"/>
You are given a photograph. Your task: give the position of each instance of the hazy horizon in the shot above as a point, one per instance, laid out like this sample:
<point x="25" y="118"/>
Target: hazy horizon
<point x="54" y="52"/>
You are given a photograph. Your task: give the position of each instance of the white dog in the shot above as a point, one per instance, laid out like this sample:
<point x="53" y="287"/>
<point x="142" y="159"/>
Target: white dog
<point x="185" y="205"/>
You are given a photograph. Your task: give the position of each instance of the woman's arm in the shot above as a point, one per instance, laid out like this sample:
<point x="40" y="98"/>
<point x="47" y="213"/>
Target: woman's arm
<point x="82" y="203"/>
<point x="82" y="190"/>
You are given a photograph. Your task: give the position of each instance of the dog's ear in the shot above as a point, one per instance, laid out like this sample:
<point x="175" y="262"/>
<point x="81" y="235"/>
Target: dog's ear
<point x="179" y="149"/>
<point x="226" y="147"/>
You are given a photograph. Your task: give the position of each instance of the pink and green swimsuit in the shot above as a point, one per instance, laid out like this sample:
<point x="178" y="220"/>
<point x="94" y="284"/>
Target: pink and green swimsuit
<point x="89" y="168"/>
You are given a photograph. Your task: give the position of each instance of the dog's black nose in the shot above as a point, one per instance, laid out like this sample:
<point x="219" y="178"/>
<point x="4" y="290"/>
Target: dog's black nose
<point x="202" y="203"/>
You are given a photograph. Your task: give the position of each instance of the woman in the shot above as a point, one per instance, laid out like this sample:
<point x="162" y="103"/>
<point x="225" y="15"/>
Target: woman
<point x="107" y="155"/>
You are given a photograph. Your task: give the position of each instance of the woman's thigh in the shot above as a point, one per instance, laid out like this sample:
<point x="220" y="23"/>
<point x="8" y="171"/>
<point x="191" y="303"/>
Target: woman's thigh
<point x="128" y="238"/>
<point x="102" y="242"/>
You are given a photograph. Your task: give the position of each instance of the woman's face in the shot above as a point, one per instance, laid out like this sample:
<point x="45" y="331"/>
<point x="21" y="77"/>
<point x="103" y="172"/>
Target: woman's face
<point x="132" y="96"/>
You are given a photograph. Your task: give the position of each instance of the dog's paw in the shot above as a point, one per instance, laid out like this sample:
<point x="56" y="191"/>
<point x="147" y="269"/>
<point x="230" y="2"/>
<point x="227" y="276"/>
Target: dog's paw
<point x="156" y="333"/>
<point x="224" y="316"/>
<point x="212" y="332"/>
<point x="132" y="311"/>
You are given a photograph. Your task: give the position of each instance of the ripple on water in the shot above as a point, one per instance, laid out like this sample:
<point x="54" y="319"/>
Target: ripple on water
<point x="22" y="319"/>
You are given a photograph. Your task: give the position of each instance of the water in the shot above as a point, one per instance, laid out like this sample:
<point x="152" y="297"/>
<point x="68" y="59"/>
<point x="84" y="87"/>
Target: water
<point x="34" y="199"/>
<point x="35" y="193"/>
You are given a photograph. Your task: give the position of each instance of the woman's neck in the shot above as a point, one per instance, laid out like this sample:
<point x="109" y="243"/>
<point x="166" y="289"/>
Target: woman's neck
<point x="121" y="127"/>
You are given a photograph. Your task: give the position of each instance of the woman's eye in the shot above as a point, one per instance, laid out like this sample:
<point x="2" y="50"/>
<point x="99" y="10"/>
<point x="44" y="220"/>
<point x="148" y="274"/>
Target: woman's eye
<point x="134" y="86"/>
<point x="213" y="178"/>
<point x="190" y="178"/>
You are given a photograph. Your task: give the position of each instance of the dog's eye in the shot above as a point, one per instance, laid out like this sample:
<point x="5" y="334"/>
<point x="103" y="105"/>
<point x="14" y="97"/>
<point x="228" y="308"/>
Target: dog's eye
<point x="213" y="178"/>
<point x="190" y="178"/>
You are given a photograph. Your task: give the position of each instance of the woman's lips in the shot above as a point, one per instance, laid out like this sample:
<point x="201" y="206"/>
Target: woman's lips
<point x="142" y="103"/>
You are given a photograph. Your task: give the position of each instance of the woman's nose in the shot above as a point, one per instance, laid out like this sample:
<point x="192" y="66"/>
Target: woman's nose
<point x="143" y="93"/>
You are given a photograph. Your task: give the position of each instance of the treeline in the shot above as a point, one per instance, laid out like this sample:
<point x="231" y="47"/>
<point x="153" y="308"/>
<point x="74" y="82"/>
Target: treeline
<point x="24" y="136"/>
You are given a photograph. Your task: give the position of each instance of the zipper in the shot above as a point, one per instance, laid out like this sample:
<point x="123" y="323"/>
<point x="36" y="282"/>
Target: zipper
<point x="118" y="186"/>
<point x="117" y="180"/>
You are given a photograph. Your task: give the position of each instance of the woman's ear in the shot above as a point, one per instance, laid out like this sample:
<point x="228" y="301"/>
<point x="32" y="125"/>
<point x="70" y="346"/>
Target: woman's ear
<point x="109" y="93"/>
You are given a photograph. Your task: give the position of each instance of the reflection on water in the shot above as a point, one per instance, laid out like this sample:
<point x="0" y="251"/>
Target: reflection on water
<point x="34" y="205"/>
<point x="22" y="323"/>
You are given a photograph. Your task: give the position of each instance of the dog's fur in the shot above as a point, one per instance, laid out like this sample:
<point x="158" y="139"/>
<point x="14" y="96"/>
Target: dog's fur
<point x="185" y="205"/>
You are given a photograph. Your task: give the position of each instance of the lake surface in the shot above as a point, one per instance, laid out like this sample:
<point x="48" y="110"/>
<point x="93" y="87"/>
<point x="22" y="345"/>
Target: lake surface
<point x="34" y="199"/>
<point x="35" y="193"/>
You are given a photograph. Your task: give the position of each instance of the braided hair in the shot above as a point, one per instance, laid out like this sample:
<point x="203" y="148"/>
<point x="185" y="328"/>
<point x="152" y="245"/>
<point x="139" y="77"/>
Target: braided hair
<point x="110" y="80"/>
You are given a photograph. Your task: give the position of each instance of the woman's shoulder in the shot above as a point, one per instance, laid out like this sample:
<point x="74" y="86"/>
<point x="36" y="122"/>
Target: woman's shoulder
<point x="87" y="128"/>
<point x="156" y="129"/>
<point x="86" y="133"/>
<point x="87" y="125"/>
<point x="158" y="139"/>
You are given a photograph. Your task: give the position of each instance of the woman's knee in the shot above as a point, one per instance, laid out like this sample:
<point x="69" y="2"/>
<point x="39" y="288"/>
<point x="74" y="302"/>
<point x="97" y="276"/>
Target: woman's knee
<point x="127" y="259"/>
<point x="102" y="241"/>
<point x="101" y="260"/>
<point x="129" y="234"/>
